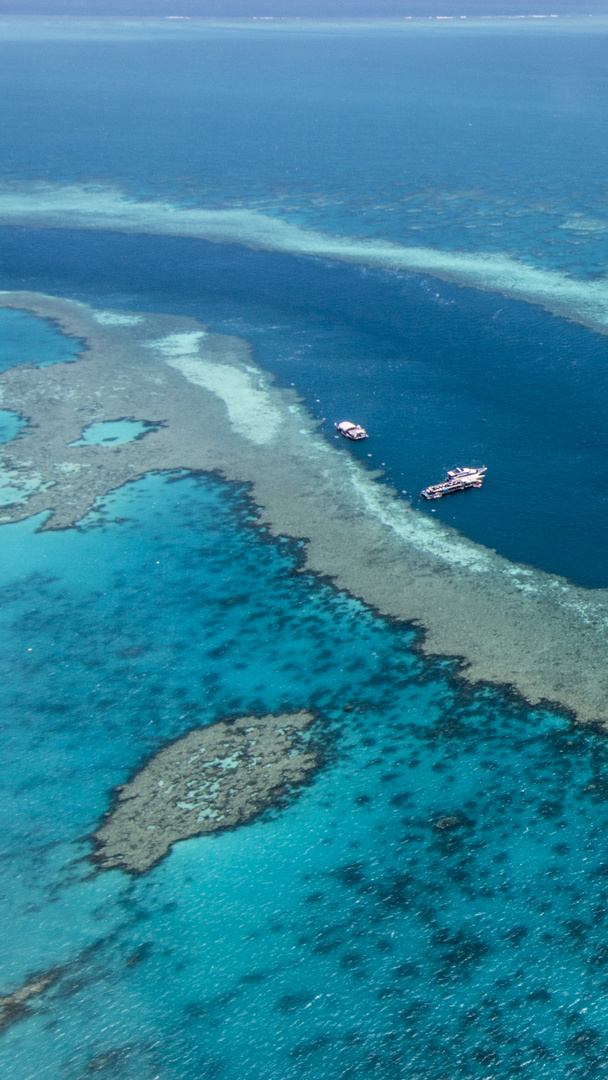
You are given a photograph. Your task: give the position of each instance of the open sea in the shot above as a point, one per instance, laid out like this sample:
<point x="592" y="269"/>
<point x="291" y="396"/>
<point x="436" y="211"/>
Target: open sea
<point x="348" y="935"/>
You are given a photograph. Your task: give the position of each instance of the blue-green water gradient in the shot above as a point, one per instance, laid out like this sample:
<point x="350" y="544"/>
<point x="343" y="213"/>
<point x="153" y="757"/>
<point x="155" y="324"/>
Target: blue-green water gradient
<point x="434" y="902"/>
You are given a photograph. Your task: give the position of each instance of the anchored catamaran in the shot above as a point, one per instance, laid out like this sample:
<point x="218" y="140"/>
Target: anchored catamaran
<point x="456" y="480"/>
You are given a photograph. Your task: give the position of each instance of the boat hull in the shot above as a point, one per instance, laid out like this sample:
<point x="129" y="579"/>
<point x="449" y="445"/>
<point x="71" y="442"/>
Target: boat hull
<point x="352" y="431"/>
<point x="458" y="480"/>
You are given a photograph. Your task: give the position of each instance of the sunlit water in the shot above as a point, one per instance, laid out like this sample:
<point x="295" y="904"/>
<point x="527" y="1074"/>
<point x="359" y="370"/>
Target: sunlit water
<point x="433" y="905"/>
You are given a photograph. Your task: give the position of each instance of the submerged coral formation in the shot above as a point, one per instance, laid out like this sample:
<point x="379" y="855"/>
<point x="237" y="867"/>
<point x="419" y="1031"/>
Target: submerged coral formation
<point x="15" y="1006"/>
<point x="212" y="779"/>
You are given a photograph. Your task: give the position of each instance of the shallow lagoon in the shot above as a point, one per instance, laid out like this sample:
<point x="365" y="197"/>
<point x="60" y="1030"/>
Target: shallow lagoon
<point x="114" y="432"/>
<point x="10" y="425"/>
<point x="25" y="339"/>
<point x="440" y="884"/>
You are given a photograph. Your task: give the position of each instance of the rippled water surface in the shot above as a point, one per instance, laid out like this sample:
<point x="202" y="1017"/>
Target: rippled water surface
<point x="434" y="902"/>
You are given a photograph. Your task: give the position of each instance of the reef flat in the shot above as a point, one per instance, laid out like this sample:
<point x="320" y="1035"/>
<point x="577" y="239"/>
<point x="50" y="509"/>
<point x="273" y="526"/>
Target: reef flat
<point x="212" y="779"/>
<point x="215" y="411"/>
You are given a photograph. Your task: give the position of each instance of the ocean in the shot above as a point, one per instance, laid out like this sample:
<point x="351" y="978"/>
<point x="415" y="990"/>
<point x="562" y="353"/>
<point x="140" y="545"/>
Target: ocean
<point x="433" y="902"/>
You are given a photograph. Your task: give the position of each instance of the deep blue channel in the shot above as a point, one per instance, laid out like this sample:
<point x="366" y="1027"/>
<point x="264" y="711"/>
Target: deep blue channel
<point x="439" y="375"/>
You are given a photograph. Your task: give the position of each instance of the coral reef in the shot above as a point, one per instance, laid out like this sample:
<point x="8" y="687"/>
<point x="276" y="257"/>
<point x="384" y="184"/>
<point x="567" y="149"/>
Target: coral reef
<point x="212" y="779"/>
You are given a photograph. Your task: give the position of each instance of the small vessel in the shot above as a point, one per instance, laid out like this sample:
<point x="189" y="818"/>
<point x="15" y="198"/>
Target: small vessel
<point x="456" y="480"/>
<point x="352" y="431"/>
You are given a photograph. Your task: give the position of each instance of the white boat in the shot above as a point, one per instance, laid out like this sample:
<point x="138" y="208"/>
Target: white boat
<point x="458" y="479"/>
<point x="352" y="431"/>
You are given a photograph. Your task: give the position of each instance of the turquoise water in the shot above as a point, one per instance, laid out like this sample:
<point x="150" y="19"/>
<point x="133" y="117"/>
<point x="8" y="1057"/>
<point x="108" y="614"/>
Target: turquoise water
<point x="25" y="339"/>
<point x="114" y="432"/>
<point x="349" y="926"/>
<point x="433" y="904"/>
<point x="11" y="424"/>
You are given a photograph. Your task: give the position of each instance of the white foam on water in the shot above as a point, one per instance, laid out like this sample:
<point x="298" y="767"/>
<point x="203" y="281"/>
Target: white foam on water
<point x="80" y="207"/>
<point x="250" y="409"/>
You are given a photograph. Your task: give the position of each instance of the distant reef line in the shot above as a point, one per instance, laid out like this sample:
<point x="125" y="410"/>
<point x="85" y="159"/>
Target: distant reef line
<point x="44" y="205"/>
<point x="220" y="414"/>
<point x="96" y="25"/>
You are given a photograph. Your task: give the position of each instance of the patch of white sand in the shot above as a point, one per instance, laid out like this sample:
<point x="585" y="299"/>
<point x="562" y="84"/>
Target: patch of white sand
<point x="114" y="318"/>
<point x="185" y="344"/>
<point x="68" y="467"/>
<point x="251" y="412"/>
